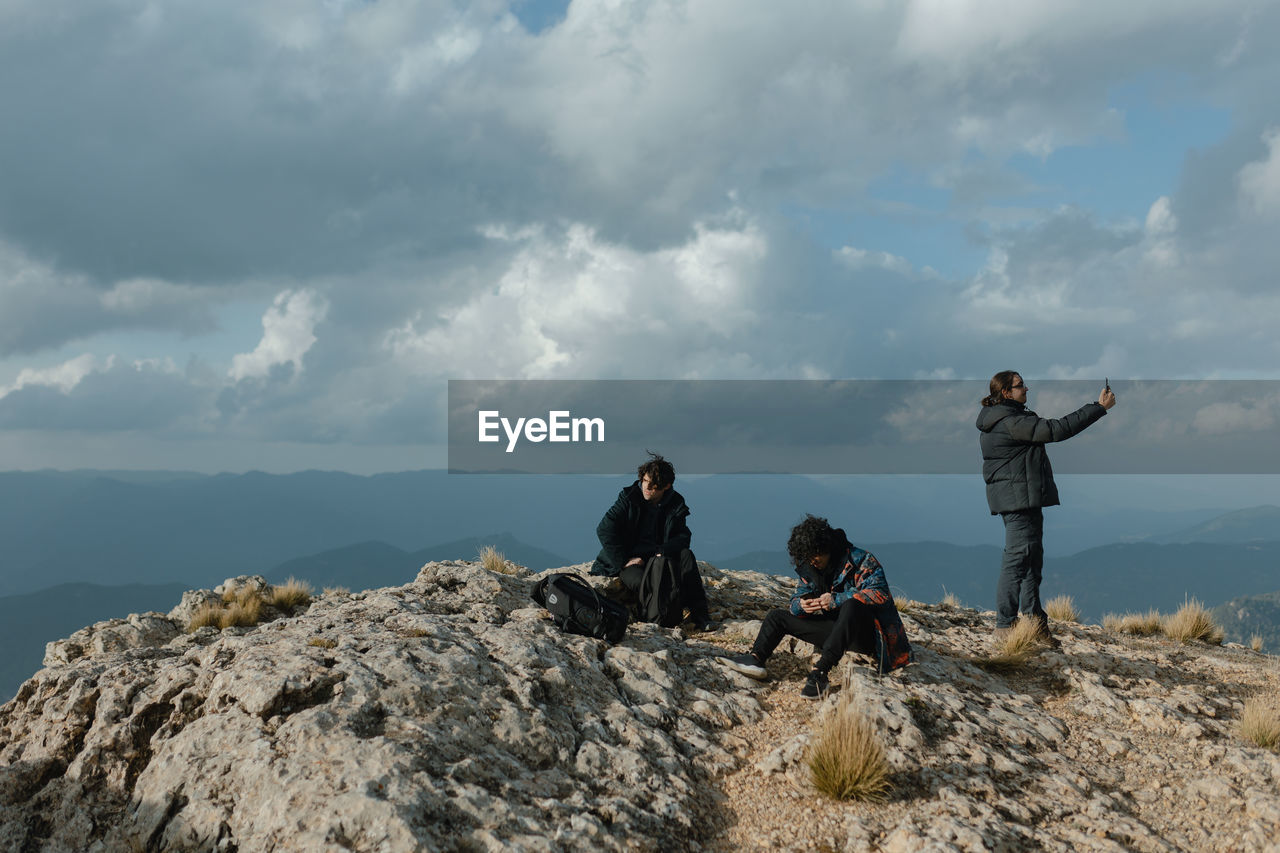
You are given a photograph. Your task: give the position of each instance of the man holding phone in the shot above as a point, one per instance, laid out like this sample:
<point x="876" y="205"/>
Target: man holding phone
<point x="1020" y="484"/>
<point x="843" y="603"/>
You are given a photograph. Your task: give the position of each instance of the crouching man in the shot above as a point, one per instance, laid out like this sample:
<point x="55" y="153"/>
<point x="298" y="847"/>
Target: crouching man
<point x="842" y="604"/>
<point x="646" y="520"/>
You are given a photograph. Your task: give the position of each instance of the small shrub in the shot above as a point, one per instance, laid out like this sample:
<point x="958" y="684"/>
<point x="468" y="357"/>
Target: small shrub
<point x="1256" y="643"/>
<point x="1138" y="624"/>
<point x="907" y="605"/>
<point x="290" y="594"/>
<point x="493" y="560"/>
<point x="1015" y="649"/>
<point x="950" y="601"/>
<point x="1192" y="622"/>
<point x="241" y="595"/>
<point x="242" y="613"/>
<point x="336" y="590"/>
<point x="206" y="616"/>
<point x="322" y="642"/>
<point x="1260" y="721"/>
<point x="1062" y="608"/>
<point x="846" y="760"/>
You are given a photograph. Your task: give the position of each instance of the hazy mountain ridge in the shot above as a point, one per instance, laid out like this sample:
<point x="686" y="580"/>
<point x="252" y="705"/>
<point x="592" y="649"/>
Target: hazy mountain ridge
<point x="163" y="527"/>
<point x="28" y="622"/>
<point x="1252" y="615"/>
<point x="1254" y="524"/>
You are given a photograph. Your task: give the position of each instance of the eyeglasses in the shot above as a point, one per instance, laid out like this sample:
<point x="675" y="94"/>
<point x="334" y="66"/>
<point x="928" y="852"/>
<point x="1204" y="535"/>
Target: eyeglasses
<point x="1016" y="387"/>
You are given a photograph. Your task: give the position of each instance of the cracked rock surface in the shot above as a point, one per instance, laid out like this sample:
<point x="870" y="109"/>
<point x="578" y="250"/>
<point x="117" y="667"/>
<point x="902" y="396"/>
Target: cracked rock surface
<point x="450" y="714"/>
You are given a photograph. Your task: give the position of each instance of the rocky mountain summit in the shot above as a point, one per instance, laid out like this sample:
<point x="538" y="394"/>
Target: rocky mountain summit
<point x="450" y="714"/>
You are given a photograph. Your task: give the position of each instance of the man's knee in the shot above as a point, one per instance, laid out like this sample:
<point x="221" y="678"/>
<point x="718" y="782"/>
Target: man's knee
<point x="776" y="617"/>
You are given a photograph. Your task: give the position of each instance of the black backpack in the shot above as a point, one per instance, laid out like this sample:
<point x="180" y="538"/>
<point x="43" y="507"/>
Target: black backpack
<point x="659" y="593"/>
<point x="578" y="608"/>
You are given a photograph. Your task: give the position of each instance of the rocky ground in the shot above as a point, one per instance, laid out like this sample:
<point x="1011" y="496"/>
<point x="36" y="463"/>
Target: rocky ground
<point x="449" y="714"/>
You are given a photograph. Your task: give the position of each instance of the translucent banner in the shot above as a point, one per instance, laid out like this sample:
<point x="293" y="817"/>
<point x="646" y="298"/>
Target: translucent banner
<point x="849" y="426"/>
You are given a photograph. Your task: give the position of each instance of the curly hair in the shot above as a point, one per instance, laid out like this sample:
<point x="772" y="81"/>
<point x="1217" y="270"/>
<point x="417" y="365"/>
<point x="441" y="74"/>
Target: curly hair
<point x="661" y="473"/>
<point x="809" y="538"/>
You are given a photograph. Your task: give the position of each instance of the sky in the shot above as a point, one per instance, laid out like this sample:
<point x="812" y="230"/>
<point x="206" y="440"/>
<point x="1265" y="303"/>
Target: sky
<point x="253" y="235"/>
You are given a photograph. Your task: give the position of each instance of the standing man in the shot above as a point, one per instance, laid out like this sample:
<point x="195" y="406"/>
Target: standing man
<point x="647" y="520"/>
<point x="1020" y="484"/>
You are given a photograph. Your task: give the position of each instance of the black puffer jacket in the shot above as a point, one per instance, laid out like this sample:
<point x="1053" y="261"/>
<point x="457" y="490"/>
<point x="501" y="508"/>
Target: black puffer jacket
<point x="619" y="530"/>
<point x="1014" y="462"/>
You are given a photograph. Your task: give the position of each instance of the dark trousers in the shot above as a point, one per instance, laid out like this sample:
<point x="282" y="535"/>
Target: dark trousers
<point x="850" y="626"/>
<point x="692" y="594"/>
<point x="1019" y="585"/>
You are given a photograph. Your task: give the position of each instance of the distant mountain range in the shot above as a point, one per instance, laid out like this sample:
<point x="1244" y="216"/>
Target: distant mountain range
<point x="1112" y="578"/>
<point x="368" y="565"/>
<point x="1252" y="615"/>
<point x="192" y="529"/>
<point x="28" y="622"/>
<point x="1256" y="524"/>
<point x="79" y="547"/>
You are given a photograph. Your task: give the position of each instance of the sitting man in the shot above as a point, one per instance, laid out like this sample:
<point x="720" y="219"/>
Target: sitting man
<point x="842" y="603"/>
<point x="648" y="519"/>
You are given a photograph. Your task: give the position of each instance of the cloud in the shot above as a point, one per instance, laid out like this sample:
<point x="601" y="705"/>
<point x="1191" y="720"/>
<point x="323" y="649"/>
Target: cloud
<point x="43" y="307"/>
<point x="62" y="377"/>
<point x="572" y="303"/>
<point x="640" y="190"/>
<point x="1230" y="418"/>
<point x="1259" y="181"/>
<point x="288" y="331"/>
<point x="89" y="395"/>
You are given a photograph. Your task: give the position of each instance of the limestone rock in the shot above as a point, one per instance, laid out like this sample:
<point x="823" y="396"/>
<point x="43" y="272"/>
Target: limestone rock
<point x="450" y="713"/>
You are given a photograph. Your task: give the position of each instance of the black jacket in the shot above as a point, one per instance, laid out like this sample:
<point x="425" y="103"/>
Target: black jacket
<point x="619" y="530"/>
<point x="1014" y="463"/>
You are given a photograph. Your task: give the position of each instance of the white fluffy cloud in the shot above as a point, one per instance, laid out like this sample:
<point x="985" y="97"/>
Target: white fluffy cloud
<point x="288" y="331"/>
<point x="64" y="377"/>
<point x="1259" y="181"/>
<point x="572" y="304"/>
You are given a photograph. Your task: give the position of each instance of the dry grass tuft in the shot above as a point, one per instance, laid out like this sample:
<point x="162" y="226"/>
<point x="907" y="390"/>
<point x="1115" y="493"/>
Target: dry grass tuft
<point x="1015" y="649"/>
<point x="322" y="642"/>
<point x="1138" y="624"/>
<point x="290" y="594"/>
<point x="240" y="595"/>
<point x="1192" y="622"/>
<point x="206" y="616"/>
<point x="950" y="601"/>
<point x="1062" y="608"/>
<point x="242" y="613"/>
<point x="1260" y="721"/>
<point x="494" y="560"/>
<point x="1256" y="643"/>
<point x="336" y="590"/>
<point x="908" y="605"/>
<point x="846" y="760"/>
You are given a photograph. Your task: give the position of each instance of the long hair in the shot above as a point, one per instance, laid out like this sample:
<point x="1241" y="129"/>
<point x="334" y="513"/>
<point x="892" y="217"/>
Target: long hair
<point x="1000" y="383"/>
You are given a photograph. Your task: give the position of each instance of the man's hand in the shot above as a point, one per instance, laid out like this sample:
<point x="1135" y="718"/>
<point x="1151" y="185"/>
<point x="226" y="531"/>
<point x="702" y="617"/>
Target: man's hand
<point x="820" y="604"/>
<point x="634" y="561"/>
<point x="1107" y="398"/>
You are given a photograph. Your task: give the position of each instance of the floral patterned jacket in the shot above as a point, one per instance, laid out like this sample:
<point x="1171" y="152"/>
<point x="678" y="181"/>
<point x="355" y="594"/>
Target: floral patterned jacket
<point x="861" y="578"/>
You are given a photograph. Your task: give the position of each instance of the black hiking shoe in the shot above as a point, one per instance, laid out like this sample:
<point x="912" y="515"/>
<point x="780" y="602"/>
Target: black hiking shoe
<point x="815" y="686"/>
<point x="746" y="664"/>
<point x="704" y="623"/>
<point x="1046" y="636"/>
